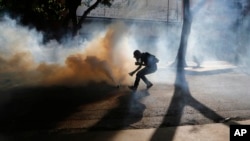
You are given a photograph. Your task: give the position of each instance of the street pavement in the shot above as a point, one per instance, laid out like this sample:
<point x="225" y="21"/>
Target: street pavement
<point x="202" y="107"/>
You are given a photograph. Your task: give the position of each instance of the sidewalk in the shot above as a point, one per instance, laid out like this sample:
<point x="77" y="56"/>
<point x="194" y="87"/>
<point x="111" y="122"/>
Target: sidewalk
<point x="206" y="132"/>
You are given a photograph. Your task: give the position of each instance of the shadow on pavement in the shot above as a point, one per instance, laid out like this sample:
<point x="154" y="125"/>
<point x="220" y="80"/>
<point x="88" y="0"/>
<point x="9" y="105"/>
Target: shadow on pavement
<point x="31" y="112"/>
<point x="181" y="98"/>
<point x="41" y="108"/>
<point x="129" y="111"/>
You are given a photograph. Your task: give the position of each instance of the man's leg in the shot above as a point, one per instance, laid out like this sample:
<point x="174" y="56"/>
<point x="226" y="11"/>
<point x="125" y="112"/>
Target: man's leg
<point x="145" y="80"/>
<point x="137" y="81"/>
<point x="141" y="75"/>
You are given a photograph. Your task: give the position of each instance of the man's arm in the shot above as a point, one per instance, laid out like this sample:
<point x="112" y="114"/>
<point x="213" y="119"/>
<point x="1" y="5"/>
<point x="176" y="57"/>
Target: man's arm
<point x="138" y="68"/>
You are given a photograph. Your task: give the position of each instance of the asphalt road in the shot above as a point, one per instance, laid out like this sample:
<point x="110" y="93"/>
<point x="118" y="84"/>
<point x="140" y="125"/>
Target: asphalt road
<point x="207" y="96"/>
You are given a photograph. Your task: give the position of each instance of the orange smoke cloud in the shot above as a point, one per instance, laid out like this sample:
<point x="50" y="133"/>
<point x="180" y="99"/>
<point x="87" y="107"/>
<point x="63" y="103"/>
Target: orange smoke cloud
<point x="21" y="61"/>
<point x="101" y="61"/>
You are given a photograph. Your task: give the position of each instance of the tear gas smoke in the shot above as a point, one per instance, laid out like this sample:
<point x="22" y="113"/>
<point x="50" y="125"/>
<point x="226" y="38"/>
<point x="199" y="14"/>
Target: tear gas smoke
<point x="218" y="32"/>
<point x="107" y="55"/>
<point x="105" y="58"/>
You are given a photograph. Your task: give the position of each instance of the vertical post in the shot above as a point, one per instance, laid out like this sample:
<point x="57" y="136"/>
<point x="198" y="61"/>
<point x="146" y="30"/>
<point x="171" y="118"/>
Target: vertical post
<point x="168" y="12"/>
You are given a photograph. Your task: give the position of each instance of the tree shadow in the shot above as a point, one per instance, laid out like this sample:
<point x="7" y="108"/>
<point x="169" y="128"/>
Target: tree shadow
<point x="41" y="108"/>
<point x="31" y="112"/>
<point x="130" y="110"/>
<point x="181" y="98"/>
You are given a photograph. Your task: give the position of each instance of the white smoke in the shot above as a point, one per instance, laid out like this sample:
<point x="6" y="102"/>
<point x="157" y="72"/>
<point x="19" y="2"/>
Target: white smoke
<point x="106" y="57"/>
<point x="214" y="33"/>
<point x="107" y="54"/>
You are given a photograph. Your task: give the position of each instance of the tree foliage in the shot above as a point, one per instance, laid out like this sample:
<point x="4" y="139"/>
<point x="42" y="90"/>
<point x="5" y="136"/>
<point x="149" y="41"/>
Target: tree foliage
<point x="50" y="10"/>
<point x="49" y="16"/>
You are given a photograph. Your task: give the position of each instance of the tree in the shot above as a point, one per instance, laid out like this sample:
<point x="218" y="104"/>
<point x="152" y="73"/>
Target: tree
<point x="180" y="60"/>
<point x="71" y="6"/>
<point x="90" y="8"/>
<point x="186" y="27"/>
<point x="49" y="15"/>
<point x="44" y="15"/>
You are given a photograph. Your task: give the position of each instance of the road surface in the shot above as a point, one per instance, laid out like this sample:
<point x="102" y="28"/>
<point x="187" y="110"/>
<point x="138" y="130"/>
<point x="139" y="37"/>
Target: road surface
<point x="211" y="94"/>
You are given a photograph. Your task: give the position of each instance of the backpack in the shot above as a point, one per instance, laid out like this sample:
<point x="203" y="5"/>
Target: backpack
<point x="152" y="59"/>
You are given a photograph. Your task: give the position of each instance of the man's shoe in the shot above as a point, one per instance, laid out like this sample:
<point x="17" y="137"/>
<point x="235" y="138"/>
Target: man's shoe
<point x="149" y="86"/>
<point x="132" y="88"/>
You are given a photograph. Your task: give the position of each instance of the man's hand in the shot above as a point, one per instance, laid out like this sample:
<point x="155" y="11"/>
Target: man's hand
<point x="137" y="63"/>
<point x="131" y="73"/>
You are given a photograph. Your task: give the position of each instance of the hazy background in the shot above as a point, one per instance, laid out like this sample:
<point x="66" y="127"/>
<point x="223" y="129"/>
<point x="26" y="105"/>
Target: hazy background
<point x="219" y="33"/>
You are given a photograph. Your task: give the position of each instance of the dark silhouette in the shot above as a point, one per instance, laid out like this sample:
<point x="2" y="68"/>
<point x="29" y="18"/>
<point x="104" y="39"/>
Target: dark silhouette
<point x="143" y="59"/>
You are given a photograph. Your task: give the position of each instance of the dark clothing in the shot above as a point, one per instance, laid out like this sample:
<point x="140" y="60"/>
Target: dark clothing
<point x="141" y="75"/>
<point x="148" y="59"/>
<point x="150" y="67"/>
<point x="144" y="58"/>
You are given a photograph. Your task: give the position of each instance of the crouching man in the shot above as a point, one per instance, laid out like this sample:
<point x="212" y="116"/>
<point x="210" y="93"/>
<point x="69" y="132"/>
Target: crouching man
<point x="149" y="62"/>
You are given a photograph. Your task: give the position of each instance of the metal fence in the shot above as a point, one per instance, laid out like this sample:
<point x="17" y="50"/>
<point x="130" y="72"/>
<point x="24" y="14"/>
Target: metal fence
<point x="157" y="10"/>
